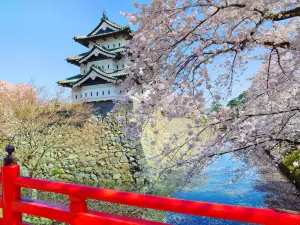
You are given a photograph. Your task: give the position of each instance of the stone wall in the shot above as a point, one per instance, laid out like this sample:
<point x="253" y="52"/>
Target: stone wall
<point x="111" y="162"/>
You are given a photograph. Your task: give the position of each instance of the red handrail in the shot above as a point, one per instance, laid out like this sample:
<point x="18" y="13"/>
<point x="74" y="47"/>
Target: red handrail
<point x="243" y="214"/>
<point x="77" y="212"/>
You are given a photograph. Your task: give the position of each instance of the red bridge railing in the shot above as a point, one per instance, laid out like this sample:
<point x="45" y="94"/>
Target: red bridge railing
<point x="77" y="212"/>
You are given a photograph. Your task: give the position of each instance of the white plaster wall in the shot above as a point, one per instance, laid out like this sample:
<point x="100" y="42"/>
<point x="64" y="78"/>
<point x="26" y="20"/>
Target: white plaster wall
<point x="113" y="64"/>
<point x="89" y="93"/>
<point x="104" y="64"/>
<point x="111" y="42"/>
<point x="83" y="69"/>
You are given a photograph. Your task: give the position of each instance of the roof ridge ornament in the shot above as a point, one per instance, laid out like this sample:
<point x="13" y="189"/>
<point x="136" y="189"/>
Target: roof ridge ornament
<point x="104" y="15"/>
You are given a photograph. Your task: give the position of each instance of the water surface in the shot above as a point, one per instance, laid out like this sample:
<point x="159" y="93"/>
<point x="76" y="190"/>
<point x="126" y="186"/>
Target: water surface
<point x="215" y="188"/>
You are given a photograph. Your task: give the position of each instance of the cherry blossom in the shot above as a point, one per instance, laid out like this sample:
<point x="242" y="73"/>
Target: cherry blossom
<point x="186" y="54"/>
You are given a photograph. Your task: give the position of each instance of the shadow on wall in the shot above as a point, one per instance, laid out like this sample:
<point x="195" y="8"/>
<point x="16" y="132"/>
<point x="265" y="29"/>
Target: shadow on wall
<point x="103" y="108"/>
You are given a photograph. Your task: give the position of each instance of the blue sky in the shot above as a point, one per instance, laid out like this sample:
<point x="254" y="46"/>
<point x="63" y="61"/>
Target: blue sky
<point x="36" y="37"/>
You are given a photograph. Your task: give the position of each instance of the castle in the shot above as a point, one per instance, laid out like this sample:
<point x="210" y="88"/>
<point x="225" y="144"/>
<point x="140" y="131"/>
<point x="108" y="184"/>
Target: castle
<point x="102" y="66"/>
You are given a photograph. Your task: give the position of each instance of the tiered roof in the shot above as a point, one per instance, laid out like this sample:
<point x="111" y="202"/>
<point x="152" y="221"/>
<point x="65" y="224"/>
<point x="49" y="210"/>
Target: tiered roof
<point x="104" y="29"/>
<point x="96" y="50"/>
<point x="94" y="72"/>
<point x="111" y="30"/>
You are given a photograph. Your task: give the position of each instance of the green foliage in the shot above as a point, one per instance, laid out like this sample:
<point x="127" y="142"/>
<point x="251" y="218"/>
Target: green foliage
<point x="92" y="205"/>
<point x="233" y="103"/>
<point x="216" y="107"/>
<point x="36" y="220"/>
<point x="292" y="157"/>
<point x="241" y="99"/>
<point x="57" y="172"/>
<point x="289" y="161"/>
<point x="40" y="128"/>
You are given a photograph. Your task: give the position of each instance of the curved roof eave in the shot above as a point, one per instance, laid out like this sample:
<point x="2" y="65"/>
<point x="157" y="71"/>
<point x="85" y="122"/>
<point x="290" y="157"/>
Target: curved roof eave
<point x="101" y="75"/>
<point x="114" y="25"/>
<point x="84" y="40"/>
<point x="102" y="51"/>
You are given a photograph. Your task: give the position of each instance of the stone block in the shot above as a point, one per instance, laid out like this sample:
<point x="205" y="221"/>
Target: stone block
<point x="123" y="159"/>
<point x="114" y="171"/>
<point x="134" y="166"/>
<point x="94" y="177"/>
<point x="116" y="176"/>
<point x="88" y="169"/>
<point x="142" y="161"/>
<point x="118" y="146"/>
<point x="118" y="154"/>
<point x="109" y="182"/>
<point x="72" y="156"/>
<point x="80" y="176"/>
<point x="105" y="147"/>
<point x="140" y="181"/>
<point x="126" y="166"/>
<point x="114" y="160"/>
<point x="67" y="177"/>
<point x="102" y="156"/>
<point x="101" y="163"/>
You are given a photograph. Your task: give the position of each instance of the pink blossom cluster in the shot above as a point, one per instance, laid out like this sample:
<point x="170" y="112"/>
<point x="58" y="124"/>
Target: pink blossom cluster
<point x="186" y="54"/>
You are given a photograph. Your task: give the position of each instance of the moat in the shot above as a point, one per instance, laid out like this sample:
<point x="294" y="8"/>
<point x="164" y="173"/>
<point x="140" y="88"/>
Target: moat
<point x="255" y="189"/>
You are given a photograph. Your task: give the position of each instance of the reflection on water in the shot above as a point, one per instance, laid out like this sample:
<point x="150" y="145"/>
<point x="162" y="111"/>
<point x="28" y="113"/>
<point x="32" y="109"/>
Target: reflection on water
<point x="216" y="189"/>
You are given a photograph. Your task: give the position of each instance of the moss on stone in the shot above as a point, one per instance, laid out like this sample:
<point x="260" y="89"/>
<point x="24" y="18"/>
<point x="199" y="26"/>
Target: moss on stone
<point x="294" y="171"/>
<point x="104" y="147"/>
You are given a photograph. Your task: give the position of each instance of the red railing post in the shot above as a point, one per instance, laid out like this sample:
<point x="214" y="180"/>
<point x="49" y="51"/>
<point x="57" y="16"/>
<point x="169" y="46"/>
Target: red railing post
<point x="10" y="192"/>
<point x="77" y="205"/>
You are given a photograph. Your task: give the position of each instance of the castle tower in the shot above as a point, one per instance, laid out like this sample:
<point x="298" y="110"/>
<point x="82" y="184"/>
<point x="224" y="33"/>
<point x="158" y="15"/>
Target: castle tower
<point x="102" y="66"/>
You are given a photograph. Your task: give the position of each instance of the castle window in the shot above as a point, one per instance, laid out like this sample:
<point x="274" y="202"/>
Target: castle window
<point x="97" y="93"/>
<point x="114" y="45"/>
<point x="109" y="92"/>
<point x="102" y="92"/>
<point x="103" y="67"/>
<point x="108" y="66"/>
<point x="117" y="67"/>
<point x="123" y="65"/>
<point x="119" y="44"/>
<point x="107" y="46"/>
<point x="85" y="94"/>
<point x="76" y="96"/>
<point x="81" y="96"/>
<point x="120" y="92"/>
<point x="91" y="93"/>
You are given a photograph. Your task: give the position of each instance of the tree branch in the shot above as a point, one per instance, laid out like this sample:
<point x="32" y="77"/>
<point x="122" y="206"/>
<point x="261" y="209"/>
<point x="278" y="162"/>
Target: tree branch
<point x="285" y="15"/>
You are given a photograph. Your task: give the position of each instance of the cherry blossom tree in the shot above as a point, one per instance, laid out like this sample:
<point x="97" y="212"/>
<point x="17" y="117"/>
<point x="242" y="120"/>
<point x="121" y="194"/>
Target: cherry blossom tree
<point x="40" y="127"/>
<point x="193" y="52"/>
